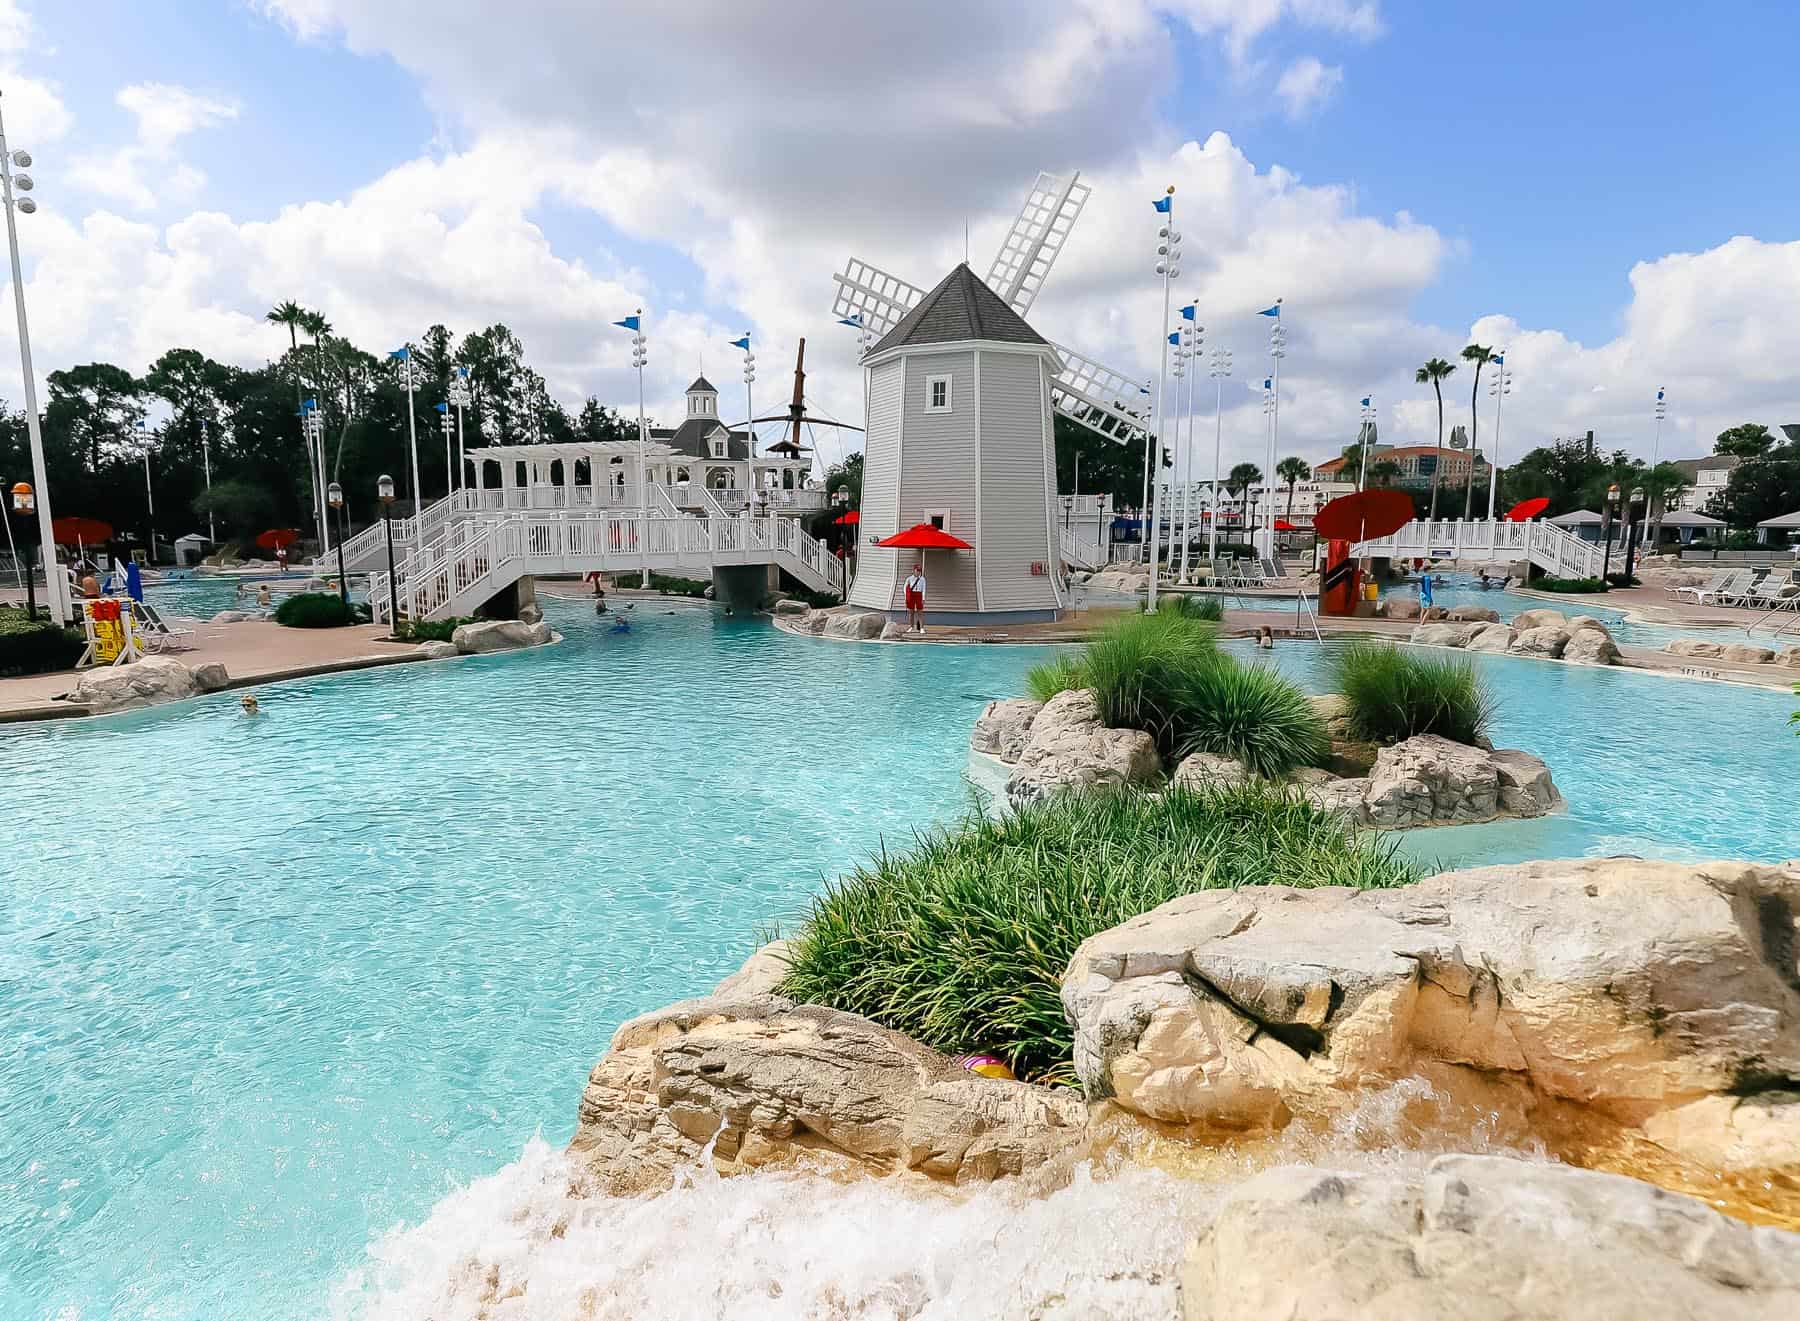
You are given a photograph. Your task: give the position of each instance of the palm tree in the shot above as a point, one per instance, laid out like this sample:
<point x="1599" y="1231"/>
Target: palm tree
<point x="293" y="316"/>
<point x="1292" y="470"/>
<point x="1480" y="355"/>
<point x="1384" y="472"/>
<point x="1239" y="481"/>
<point x="1435" y="371"/>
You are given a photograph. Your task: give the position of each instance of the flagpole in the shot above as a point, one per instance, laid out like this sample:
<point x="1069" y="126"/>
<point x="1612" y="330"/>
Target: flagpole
<point x="643" y="495"/>
<point x="1277" y="351"/>
<point x="1169" y="250"/>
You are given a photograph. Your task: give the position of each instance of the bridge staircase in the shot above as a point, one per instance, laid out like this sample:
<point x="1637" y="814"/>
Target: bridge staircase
<point x="1556" y="551"/>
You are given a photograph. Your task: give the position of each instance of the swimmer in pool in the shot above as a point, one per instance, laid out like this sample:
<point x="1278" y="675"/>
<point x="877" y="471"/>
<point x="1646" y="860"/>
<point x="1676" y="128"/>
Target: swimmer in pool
<point x="248" y="703"/>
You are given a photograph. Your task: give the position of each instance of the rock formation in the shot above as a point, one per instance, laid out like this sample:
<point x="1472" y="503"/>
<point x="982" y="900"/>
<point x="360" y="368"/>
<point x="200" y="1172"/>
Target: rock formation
<point x="487" y="635"/>
<point x="1071" y="747"/>
<point x="147" y="682"/>
<point x="1481" y="1238"/>
<point x="754" y="1080"/>
<point x="1004" y="728"/>
<point x="1663" y="997"/>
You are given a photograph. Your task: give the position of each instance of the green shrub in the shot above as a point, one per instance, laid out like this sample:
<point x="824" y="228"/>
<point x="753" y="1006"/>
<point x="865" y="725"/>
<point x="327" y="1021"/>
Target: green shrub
<point x="314" y="610"/>
<point x="1207" y="608"/>
<point x="961" y="942"/>
<point x="36" y="646"/>
<point x="1164" y="674"/>
<point x="1054" y="676"/>
<point x="432" y="630"/>
<point x="669" y="585"/>
<point x="1569" y="585"/>
<point x="1393" y="694"/>
<point x="1251" y="713"/>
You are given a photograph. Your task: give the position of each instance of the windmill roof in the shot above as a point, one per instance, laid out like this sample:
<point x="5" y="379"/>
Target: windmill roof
<point x="701" y="383"/>
<point x="962" y="307"/>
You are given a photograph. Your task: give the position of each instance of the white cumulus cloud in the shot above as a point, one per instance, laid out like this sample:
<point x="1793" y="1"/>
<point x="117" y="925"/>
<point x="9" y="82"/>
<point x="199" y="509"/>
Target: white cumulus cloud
<point x="1306" y="85"/>
<point x="150" y="170"/>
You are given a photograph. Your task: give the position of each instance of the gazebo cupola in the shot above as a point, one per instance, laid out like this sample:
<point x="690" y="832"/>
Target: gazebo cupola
<point x="702" y="398"/>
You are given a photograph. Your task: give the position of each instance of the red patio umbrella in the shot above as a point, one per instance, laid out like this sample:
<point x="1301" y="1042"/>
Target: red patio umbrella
<point x="277" y="537"/>
<point x="1364" y="516"/>
<point x="924" y="536"/>
<point x="1527" y="509"/>
<point x="74" y="530"/>
<point x="1282" y="525"/>
<point x="850" y="519"/>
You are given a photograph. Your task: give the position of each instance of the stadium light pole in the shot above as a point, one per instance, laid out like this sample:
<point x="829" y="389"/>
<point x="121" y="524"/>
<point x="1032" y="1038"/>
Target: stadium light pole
<point x="1168" y="266"/>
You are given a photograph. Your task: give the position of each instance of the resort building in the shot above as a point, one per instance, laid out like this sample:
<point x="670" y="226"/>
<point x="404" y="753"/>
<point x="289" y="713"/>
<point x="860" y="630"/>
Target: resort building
<point x="1416" y="464"/>
<point x="1707" y="478"/>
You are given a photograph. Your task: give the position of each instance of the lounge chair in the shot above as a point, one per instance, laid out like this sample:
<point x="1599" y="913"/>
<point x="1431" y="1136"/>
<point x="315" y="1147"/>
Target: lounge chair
<point x="1719" y="580"/>
<point x="157" y="633"/>
<point x="1719" y="592"/>
<point x="1768" y="595"/>
<point x="1251" y="575"/>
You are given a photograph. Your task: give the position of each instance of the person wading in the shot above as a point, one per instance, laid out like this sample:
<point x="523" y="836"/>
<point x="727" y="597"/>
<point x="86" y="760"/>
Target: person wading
<point x="915" y="600"/>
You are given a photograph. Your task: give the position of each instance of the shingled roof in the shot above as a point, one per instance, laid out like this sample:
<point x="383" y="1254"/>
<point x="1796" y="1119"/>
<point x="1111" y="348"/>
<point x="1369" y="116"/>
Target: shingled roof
<point x="962" y="307"/>
<point x="701" y="383"/>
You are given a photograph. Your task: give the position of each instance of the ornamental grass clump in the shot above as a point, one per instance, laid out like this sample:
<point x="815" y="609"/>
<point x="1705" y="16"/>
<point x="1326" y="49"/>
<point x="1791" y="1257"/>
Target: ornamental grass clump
<point x="961" y="941"/>
<point x="1251" y="713"/>
<point x="1392" y="695"/>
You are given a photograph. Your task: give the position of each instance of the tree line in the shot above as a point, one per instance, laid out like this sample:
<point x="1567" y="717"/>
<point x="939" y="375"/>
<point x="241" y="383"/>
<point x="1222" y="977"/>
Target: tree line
<point x="98" y="431"/>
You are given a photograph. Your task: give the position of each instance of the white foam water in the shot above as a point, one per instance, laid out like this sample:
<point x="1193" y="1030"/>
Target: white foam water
<point x="525" y="1244"/>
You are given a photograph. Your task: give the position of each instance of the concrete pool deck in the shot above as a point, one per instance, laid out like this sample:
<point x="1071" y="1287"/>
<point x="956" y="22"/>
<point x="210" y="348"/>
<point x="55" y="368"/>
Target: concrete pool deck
<point x="252" y="651"/>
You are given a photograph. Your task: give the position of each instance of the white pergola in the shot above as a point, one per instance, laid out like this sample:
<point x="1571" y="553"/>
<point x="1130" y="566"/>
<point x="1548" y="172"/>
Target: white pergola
<point x="563" y="476"/>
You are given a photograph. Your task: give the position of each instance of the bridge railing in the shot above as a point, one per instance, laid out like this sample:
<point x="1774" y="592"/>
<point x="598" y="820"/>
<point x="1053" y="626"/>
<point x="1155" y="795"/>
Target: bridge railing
<point x="1549" y="547"/>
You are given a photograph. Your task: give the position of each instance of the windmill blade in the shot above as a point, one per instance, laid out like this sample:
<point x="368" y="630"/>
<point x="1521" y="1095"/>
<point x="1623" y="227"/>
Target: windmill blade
<point x="1030" y="249"/>
<point x="1098" y="397"/>
<point x="879" y="299"/>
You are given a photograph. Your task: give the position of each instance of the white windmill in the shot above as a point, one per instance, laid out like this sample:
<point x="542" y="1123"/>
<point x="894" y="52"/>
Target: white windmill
<point x="959" y="422"/>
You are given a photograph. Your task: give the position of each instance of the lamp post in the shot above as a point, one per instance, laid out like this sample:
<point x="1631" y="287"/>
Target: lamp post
<point x="1631" y="532"/>
<point x="384" y="492"/>
<point x="334" y="496"/>
<point x="1277" y="351"/>
<point x="55" y="589"/>
<point x="1606" y="530"/>
<point x="146" y="443"/>
<point x="635" y="324"/>
<point x="1662" y="411"/>
<point x="1256" y="536"/>
<point x="1168" y="266"/>
<point x="1184" y="455"/>
<point x="1365" y="437"/>
<point x="1221" y="368"/>
<point x="24" y="504"/>
<point x="1499" y="386"/>
<point x="312" y="427"/>
<point x="459" y="400"/>
<point x="443" y="412"/>
<point x="212" y="532"/>
<point x="404" y="355"/>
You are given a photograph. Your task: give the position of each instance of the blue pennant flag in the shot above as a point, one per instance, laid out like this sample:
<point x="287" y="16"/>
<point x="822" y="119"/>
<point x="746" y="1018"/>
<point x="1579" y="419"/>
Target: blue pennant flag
<point x="1174" y="337"/>
<point x="1274" y="311"/>
<point x="1187" y="313"/>
<point x="1659" y="395"/>
<point x="630" y="322"/>
<point x="743" y="343"/>
<point x="1365" y="400"/>
<point x="463" y="372"/>
<point x="403" y="353"/>
<point x="1163" y="203"/>
<point x="1500" y="358"/>
<point x="442" y="408"/>
<point x="1268" y="382"/>
<point x="305" y="407"/>
<point x="853" y="320"/>
<point x="1143" y="389"/>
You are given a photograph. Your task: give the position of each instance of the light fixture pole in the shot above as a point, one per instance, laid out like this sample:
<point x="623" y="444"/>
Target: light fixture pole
<point x="1256" y="537"/>
<point x="1606" y="523"/>
<point x="334" y="497"/>
<point x="1177" y="497"/>
<point x="404" y="354"/>
<point x="459" y="400"/>
<point x="1365" y="440"/>
<point x="212" y="532"/>
<point x="312" y="427"/>
<point x="635" y="324"/>
<point x="443" y="412"/>
<point x="24" y="504"/>
<point x="384" y="492"/>
<point x="145" y="444"/>
<point x="1631" y="529"/>
<point x="1221" y="368"/>
<point x="1499" y="386"/>
<point x="56" y="590"/>
<point x="1277" y="351"/>
<point x="1168" y="265"/>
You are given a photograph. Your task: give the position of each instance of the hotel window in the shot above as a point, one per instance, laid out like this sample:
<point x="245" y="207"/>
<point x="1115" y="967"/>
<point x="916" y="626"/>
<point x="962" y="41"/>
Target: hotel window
<point x="937" y="394"/>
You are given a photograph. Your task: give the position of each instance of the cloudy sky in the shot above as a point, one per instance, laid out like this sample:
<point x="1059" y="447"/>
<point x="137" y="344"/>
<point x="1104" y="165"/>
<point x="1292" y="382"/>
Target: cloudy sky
<point x="1608" y="190"/>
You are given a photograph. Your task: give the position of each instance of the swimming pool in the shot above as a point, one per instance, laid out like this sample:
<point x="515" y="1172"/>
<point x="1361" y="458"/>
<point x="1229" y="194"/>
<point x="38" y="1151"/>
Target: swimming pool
<point x="279" y="984"/>
<point x="1627" y="632"/>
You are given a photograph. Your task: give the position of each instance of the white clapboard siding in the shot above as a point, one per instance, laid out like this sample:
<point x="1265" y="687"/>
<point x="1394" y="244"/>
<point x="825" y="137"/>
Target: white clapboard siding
<point x="938" y="474"/>
<point x="1014" y="531"/>
<point x="877" y="585"/>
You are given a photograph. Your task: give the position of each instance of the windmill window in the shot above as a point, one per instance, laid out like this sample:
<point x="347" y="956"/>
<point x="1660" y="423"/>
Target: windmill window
<point x="937" y="394"/>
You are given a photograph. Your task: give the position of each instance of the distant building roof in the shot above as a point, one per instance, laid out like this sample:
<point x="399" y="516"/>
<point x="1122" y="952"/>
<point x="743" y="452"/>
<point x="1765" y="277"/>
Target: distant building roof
<point x="962" y="307"/>
<point x="1578" y="518"/>
<point x="1687" y="518"/>
<point x="1786" y="520"/>
<point x="1692" y="468"/>
<point x="693" y="438"/>
<point x="1407" y="451"/>
<point x="702" y="384"/>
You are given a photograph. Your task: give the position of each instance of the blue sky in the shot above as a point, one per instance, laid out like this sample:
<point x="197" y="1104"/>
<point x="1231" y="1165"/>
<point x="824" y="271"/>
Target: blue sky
<point x="1498" y="171"/>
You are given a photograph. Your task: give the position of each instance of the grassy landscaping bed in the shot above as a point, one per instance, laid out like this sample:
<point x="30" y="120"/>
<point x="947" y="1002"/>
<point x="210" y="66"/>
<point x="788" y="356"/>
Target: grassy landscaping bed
<point x="1390" y="695"/>
<point x="961" y="941"/>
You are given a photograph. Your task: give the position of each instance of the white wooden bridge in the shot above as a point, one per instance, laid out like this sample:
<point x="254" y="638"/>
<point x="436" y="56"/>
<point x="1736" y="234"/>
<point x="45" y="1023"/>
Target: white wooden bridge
<point x="460" y="551"/>
<point x="1554" y="550"/>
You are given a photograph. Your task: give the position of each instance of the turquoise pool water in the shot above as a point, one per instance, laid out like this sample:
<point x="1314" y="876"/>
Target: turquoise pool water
<point x="272" y="986"/>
